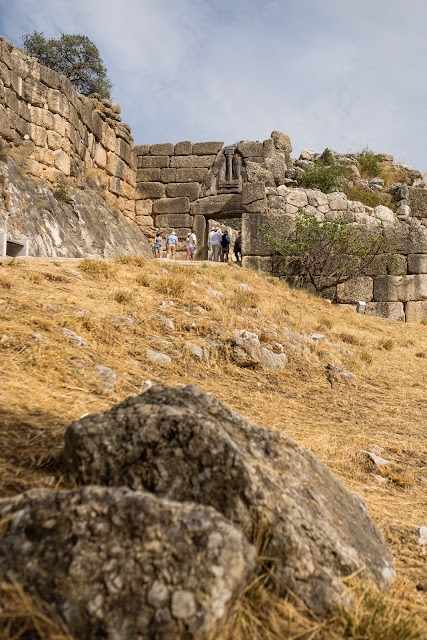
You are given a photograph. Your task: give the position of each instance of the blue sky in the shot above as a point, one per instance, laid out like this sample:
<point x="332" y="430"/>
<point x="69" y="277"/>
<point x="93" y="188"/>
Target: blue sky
<point x="329" y="73"/>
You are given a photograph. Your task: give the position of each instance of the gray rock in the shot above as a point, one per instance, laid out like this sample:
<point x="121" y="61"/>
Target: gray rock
<point x="163" y="305"/>
<point x="77" y="340"/>
<point x="243" y="287"/>
<point x="187" y="446"/>
<point x="421" y="534"/>
<point x="336" y="373"/>
<point x="121" y="564"/>
<point x="377" y="460"/>
<point x="318" y="337"/>
<point x="165" y="343"/>
<point x="167" y="322"/>
<point x="245" y="352"/>
<point x="273" y="361"/>
<point x="194" y="350"/>
<point x="107" y="377"/>
<point x="158" y="358"/>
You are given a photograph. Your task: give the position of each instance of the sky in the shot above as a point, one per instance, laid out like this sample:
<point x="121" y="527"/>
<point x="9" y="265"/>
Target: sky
<point x="342" y="74"/>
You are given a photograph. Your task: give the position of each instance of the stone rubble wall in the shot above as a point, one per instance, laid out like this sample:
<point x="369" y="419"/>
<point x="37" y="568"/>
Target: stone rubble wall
<point x="399" y="295"/>
<point x="55" y="133"/>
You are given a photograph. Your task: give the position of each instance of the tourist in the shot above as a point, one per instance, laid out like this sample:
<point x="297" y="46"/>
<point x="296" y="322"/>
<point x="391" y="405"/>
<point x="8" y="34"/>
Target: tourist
<point x="192" y="243"/>
<point x="225" y="246"/>
<point x="171" y="245"/>
<point x="157" y="246"/>
<point x="187" y="246"/>
<point x="216" y="244"/>
<point x="210" y="254"/>
<point x="238" y="247"/>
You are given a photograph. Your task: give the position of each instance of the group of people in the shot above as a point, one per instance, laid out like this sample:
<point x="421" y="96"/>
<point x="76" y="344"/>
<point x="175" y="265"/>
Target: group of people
<point x="218" y="245"/>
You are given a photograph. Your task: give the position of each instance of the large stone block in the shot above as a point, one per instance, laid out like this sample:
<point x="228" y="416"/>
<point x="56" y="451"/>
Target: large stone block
<point x="416" y="311"/>
<point x="124" y="150"/>
<point x="205" y="149"/>
<point x="38" y="135"/>
<point x="115" y="166"/>
<point x="281" y="141"/>
<point x="390" y="264"/>
<point x="42" y="117"/>
<point x="50" y="77"/>
<point x="417" y="263"/>
<point x="165" y="149"/>
<point x="400" y="288"/>
<point x="167" y="175"/>
<point x="390" y="310"/>
<point x="172" y="220"/>
<point x="258" y="263"/>
<point x="142" y="149"/>
<point x="35" y="92"/>
<point x="184" y="148"/>
<point x="417" y="239"/>
<point x="189" y="189"/>
<point x="297" y="198"/>
<point x="220" y="204"/>
<point x="250" y="149"/>
<point x="144" y="207"/>
<point x="11" y="100"/>
<point x="148" y="162"/>
<point x="254" y="231"/>
<point x="148" y="175"/>
<point x="192" y="162"/>
<point x="398" y="238"/>
<point x="16" y="83"/>
<point x="150" y="190"/>
<point x="355" y="289"/>
<point x="418" y="202"/>
<point x="57" y="103"/>
<point x="62" y="161"/>
<point x="172" y="205"/>
<point x="190" y="175"/>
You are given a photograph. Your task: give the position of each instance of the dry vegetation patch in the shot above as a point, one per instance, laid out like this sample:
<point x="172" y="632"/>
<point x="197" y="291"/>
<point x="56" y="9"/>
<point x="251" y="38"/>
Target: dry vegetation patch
<point x="47" y="382"/>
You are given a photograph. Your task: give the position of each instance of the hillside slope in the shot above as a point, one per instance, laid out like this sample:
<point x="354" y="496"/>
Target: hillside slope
<point x="120" y="309"/>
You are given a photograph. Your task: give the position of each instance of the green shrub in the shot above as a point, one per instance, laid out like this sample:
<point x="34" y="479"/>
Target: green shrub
<point x="324" y="176"/>
<point x="369" y="164"/>
<point x="366" y="196"/>
<point x="61" y="192"/>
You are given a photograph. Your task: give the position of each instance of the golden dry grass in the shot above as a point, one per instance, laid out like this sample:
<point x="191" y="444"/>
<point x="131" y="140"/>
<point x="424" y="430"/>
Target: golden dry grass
<point x="46" y="382"/>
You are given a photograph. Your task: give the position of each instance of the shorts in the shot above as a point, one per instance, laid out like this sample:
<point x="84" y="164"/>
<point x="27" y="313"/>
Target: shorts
<point x="193" y="250"/>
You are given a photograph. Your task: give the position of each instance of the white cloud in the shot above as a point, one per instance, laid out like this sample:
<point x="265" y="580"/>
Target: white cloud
<point x="328" y="73"/>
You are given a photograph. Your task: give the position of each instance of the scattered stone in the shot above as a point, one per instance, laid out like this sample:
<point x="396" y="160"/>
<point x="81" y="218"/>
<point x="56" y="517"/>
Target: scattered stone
<point x="75" y="273"/>
<point x="163" y="270"/>
<point x="126" y="564"/>
<point x="77" y="340"/>
<point x="189" y="447"/>
<point x="377" y="460"/>
<point x="214" y="293"/>
<point x="107" y="377"/>
<point x="342" y="350"/>
<point x="199" y="310"/>
<point x="126" y="320"/>
<point x="243" y="287"/>
<point x="194" y="349"/>
<point x="167" y="322"/>
<point x="37" y="336"/>
<point x="194" y="284"/>
<point x="273" y="361"/>
<point x="163" y="305"/>
<point x="421" y="534"/>
<point x="216" y="346"/>
<point x="158" y="358"/>
<point x="336" y="373"/>
<point x="245" y="352"/>
<point x="247" y="335"/>
<point x="165" y="343"/>
<point x="318" y="337"/>
<point x="361" y="306"/>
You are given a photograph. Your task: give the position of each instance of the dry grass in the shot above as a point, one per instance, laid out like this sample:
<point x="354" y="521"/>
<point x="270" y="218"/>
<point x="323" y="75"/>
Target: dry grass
<point x="46" y="382"/>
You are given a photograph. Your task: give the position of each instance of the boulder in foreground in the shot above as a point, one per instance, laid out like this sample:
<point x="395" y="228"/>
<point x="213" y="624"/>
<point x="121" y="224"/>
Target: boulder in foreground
<point x="184" y="444"/>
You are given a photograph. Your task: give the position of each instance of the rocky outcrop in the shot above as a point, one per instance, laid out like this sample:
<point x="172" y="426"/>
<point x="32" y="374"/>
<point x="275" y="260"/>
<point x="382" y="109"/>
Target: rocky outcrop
<point x="115" y="563"/>
<point x="83" y="226"/>
<point x="184" y="445"/>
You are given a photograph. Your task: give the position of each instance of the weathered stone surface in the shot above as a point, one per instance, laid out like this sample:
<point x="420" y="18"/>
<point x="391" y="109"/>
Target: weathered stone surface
<point x="356" y="289"/>
<point x="254" y="230"/>
<point x="384" y="214"/>
<point x="390" y="264"/>
<point x="417" y="263"/>
<point x="417" y="242"/>
<point x="389" y="310"/>
<point x="205" y="149"/>
<point x="172" y="205"/>
<point x="165" y="149"/>
<point x="148" y="175"/>
<point x="226" y="203"/>
<point x="189" y="175"/>
<point x="86" y="227"/>
<point x="253" y="194"/>
<point x="256" y="173"/>
<point x="416" y="311"/>
<point x="245" y="352"/>
<point x="189" y="189"/>
<point x="249" y="148"/>
<point x="159" y="358"/>
<point x="281" y="141"/>
<point x="142" y="149"/>
<point x="318" y="530"/>
<point x="148" y="162"/>
<point x="400" y="288"/>
<point x="117" y="563"/>
<point x="150" y="190"/>
<point x="297" y="198"/>
<point x="172" y="220"/>
<point x="192" y="162"/>
<point x="418" y="202"/>
<point x="273" y="361"/>
<point x="184" y="148"/>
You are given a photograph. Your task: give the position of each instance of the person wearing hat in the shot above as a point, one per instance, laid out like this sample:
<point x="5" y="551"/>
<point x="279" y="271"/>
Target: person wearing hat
<point x="216" y="244"/>
<point x="171" y="245"/>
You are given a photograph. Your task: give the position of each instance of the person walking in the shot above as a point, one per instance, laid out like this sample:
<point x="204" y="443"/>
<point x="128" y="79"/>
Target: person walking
<point x="171" y="245"/>
<point x="216" y="244"/>
<point x="238" y="247"/>
<point x="157" y="246"/>
<point x="187" y="246"/>
<point x="192" y="243"/>
<point x="211" y="232"/>
<point x="225" y="246"/>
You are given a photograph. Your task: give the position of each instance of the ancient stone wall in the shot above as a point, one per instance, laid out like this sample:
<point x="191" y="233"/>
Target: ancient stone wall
<point x="57" y="133"/>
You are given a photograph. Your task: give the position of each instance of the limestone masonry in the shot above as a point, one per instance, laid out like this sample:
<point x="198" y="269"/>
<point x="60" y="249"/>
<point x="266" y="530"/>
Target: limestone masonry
<point x="56" y="134"/>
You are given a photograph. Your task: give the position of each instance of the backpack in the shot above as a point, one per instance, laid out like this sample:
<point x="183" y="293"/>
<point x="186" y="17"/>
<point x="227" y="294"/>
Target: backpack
<point x="225" y="240"/>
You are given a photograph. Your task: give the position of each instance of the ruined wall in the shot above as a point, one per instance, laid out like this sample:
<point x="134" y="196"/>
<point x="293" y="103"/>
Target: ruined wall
<point x="57" y="133"/>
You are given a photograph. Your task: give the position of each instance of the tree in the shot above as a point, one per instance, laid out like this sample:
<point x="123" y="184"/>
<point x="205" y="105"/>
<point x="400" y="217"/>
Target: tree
<point x="328" y="252"/>
<point x="73" y="56"/>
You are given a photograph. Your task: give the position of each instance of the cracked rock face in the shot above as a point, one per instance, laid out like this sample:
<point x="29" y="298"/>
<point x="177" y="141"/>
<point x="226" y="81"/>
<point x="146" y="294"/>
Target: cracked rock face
<point x="181" y="443"/>
<point x="119" y="564"/>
